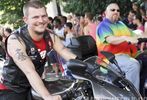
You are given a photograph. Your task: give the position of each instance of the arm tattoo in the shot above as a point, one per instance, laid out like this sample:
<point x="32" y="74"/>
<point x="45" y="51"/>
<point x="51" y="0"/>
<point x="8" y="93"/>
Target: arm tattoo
<point x="20" y="55"/>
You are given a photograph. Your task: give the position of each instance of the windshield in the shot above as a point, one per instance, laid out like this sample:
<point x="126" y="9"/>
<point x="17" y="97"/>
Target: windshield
<point x="101" y="70"/>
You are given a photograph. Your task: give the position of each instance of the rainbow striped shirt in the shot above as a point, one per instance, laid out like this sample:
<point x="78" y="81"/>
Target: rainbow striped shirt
<point x="107" y="28"/>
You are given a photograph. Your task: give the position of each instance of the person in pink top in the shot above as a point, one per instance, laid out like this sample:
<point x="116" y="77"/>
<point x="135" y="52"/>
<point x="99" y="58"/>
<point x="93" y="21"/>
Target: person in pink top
<point x="138" y="21"/>
<point x="140" y="30"/>
<point x="90" y="28"/>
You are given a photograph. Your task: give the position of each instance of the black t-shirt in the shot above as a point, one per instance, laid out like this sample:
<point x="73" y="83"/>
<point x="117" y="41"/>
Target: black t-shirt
<point x="129" y="25"/>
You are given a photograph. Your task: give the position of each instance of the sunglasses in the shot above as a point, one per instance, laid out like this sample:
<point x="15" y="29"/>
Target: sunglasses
<point x="115" y="10"/>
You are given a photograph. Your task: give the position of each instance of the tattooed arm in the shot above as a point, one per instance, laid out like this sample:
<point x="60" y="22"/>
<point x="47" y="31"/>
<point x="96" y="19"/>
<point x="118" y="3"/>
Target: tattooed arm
<point x="17" y="50"/>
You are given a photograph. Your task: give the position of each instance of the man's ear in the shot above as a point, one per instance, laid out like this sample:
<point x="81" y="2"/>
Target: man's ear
<point x="25" y="19"/>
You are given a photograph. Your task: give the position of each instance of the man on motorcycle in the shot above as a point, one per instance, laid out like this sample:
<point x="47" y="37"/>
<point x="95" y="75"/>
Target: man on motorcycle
<point x="26" y="49"/>
<point x="115" y="37"/>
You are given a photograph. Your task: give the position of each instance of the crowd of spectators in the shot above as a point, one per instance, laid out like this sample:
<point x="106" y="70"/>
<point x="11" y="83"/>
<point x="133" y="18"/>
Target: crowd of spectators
<point x="66" y="27"/>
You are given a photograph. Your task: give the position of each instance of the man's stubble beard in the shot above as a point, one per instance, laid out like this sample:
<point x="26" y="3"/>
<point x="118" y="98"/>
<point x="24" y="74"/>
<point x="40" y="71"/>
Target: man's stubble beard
<point x="39" y="33"/>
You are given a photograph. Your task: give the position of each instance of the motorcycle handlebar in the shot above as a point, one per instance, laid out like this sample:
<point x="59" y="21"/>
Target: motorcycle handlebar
<point x="66" y="95"/>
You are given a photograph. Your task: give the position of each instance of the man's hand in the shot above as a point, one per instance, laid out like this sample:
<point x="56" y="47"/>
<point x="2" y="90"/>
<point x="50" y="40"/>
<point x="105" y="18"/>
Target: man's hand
<point x="132" y="40"/>
<point x="55" y="97"/>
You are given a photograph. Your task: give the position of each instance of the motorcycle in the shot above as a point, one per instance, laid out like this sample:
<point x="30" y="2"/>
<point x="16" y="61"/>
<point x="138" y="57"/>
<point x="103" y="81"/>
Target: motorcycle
<point x="95" y="80"/>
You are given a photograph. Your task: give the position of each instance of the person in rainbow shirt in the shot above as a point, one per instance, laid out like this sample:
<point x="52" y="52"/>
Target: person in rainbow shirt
<point x="114" y="36"/>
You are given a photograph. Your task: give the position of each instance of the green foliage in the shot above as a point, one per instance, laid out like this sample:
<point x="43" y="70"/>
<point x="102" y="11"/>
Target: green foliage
<point x="95" y="6"/>
<point x="12" y="11"/>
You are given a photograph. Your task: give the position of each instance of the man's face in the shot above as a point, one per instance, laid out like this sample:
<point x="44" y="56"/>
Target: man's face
<point x="113" y="12"/>
<point x="55" y="24"/>
<point x="5" y="35"/>
<point x="36" y="20"/>
<point x="66" y="29"/>
<point x="85" y="20"/>
<point x="131" y="15"/>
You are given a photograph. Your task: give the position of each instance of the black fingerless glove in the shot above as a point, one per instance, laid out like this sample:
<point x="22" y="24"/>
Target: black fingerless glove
<point x="78" y="58"/>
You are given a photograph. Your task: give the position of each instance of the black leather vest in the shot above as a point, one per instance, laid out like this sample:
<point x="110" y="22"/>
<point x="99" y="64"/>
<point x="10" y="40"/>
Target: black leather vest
<point x="14" y="78"/>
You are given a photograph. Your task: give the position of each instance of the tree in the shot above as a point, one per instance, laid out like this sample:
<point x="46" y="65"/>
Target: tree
<point x="94" y="6"/>
<point x="12" y="11"/>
